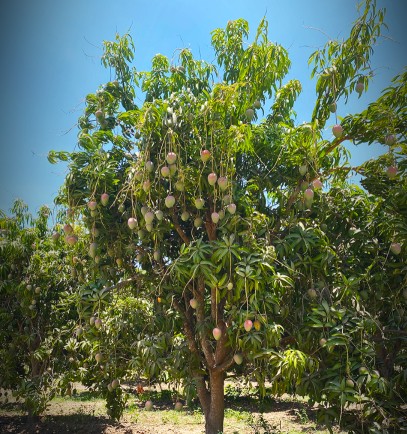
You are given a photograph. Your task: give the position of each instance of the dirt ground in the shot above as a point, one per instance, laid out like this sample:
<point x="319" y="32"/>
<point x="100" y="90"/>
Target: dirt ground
<point x="73" y="416"/>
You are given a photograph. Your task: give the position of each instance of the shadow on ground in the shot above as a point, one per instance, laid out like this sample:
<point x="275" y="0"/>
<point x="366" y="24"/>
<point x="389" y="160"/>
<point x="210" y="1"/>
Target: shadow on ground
<point x="84" y="424"/>
<point x="79" y="420"/>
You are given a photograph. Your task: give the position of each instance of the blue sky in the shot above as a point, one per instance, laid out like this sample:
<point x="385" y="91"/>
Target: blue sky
<point x="51" y="60"/>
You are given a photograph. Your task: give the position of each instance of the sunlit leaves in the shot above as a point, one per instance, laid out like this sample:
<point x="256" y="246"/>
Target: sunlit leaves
<point x="302" y="255"/>
<point x="340" y="65"/>
<point x="117" y="54"/>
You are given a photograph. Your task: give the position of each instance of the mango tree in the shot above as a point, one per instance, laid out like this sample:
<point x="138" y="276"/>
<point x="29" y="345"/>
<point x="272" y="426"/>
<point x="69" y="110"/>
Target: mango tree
<point x="38" y="310"/>
<point x="226" y="223"/>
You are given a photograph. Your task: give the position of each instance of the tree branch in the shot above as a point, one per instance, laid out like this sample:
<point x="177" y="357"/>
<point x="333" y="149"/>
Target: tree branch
<point x="213" y="305"/>
<point x="293" y="197"/>
<point x="221" y="351"/>
<point x="210" y="226"/>
<point x="203" y="393"/>
<point x="121" y="284"/>
<point x="200" y="316"/>
<point x="179" y="229"/>
<point x="188" y="328"/>
<point x="390" y="331"/>
<point x="226" y="364"/>
<point x="336" y="143"/>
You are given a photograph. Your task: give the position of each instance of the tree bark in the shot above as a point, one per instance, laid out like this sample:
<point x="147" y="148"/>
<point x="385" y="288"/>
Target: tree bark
<point x="215" y="362"/>
<point x="215" y="416"/>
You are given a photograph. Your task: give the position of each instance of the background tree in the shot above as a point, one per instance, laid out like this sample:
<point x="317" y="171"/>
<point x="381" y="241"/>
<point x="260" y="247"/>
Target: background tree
<point x="37" y="311"/>
<point x="244" y="236"/>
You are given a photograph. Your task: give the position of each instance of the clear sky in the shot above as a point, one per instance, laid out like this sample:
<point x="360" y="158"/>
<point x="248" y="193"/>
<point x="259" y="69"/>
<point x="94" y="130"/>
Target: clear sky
<point x="51" y="53"/>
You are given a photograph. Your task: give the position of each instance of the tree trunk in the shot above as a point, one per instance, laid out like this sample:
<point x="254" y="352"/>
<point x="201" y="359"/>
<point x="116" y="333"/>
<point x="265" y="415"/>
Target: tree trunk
<point x="210" y="391"/>
<point x="216" y="412"/>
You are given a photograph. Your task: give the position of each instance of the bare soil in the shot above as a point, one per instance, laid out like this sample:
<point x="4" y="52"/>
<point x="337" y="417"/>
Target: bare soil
<point x="243" y="416"/>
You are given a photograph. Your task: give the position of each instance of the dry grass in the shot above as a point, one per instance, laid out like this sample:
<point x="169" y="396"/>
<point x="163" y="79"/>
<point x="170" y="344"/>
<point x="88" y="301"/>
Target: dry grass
<point x="85" y="414"/>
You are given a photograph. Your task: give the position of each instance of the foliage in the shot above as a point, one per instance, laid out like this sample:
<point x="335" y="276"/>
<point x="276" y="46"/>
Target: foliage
<point x="213" y="242"/>
<point x="35" y="284"/>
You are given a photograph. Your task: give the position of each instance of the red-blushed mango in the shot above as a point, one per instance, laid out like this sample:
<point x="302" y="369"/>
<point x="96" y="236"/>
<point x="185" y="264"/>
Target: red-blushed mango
<point x="231" y="208"/>
<point x="223" y="183"/>
<point x="212" y="178"/>
<point x="205" y="155"/>
<point x="199" y="203"/>
<point x="337" y="131"/>
<point x="395" y="248"/>
<point x="171" y="157"/>
<point x="248" y="324"/>
<point x="104" y="199"/>
<point x="391" y="172"/>
<point x="92" y="205"/>
<point x="215" y="217"/>
<point x="217" y="333"/>
<point x="165" y="171"/>
<point x="132" y="223"/>
<point x="169" y="201"/>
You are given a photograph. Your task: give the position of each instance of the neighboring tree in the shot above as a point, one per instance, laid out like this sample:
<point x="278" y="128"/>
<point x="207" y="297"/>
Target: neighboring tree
<point x="40" y="272"/>
<point x="55" y="327"/>
<point x="243" y="237"/>
<point x="27" y="298"/>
